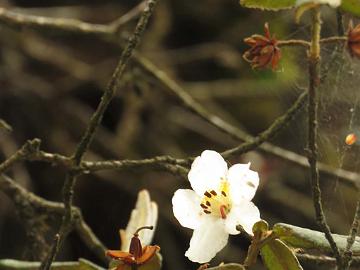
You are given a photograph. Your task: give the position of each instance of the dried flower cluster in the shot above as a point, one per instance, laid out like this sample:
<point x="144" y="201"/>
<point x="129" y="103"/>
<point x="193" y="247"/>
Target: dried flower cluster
<point x="354" y="41"/>
<point x="264" y="51"/>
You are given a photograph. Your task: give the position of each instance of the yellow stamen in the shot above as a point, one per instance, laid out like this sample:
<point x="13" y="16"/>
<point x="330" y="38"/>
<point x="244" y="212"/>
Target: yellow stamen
<point x="217" y="205"/>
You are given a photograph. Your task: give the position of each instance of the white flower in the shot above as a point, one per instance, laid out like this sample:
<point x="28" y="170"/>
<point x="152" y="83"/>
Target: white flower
<point x="333" y="3"/>
<point x="145" y="213"/>
<point x="220" y="200"/>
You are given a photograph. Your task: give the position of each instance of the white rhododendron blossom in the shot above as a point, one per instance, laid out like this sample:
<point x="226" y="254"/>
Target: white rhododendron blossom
<point x="333" y="3"/>
<point x="220" y="200"/>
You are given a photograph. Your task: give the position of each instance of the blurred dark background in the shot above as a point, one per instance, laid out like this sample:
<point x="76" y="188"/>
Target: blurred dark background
<point x="50" y="84"/>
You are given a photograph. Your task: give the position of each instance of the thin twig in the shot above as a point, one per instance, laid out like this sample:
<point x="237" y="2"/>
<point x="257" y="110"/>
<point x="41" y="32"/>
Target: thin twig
<point x="95" y="121"/>
<point x="163" y="162"/>
<point x="53" y="251"/>
<point x="340" y="23"/>
<point x="31" y="146"/>
<point x="178" y="91"/>
<point x="173" y="165"/>
<point x="294" y="42"/>
<point x="277" y="126"/>
<point x="130" y="15"/>
<point x="322" y="260"/>
<point x="17" y="20"/>
<point x="333" y="40"/>
<point x="90" y="239"/>
<point x="314" y="80"/>
<point x="233" y="131"/>
<point x="4" y="125"/>
<point x="29" y="205"/>
<point x="348" y="256"/>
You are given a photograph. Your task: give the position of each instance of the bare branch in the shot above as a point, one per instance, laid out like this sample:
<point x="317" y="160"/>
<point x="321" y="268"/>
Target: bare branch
<point x="95" y="121"/>
<point x="292" y="157"/>
<point x="348" y="256"/>
<point x="277" y="126"/>
<point x="314" y="80"/>
<point x="40" y="212"/>
<point x="31" y="146"/>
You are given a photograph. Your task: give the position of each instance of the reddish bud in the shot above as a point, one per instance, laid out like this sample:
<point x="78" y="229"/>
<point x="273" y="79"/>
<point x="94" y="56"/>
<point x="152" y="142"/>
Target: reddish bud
<point x="264" y="51"/>
<point x="354" y="40"/>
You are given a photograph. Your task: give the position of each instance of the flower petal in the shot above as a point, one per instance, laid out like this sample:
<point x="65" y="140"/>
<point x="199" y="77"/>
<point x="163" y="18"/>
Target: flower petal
<point x="144" y="214"/>
<point x="118" y="254"/>
<point x="206" y="172"/>
<point x="207" y="240"/>
<point x="148" y="253"/>
<point x="245" y="214"/>
<point x="243" y="182"/>
<point x="186" y="208"/>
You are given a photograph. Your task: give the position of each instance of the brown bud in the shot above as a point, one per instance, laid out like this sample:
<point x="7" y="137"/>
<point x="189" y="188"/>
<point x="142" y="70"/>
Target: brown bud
<point x="354" y="40"/>
<point x="264" y="51"/>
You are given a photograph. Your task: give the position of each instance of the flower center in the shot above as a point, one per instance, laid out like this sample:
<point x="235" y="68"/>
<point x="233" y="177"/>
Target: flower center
<point x="217" y="203"/>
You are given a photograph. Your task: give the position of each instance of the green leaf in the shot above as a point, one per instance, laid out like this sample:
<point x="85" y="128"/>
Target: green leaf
<point x="82" y="264"/>
<point x="229" y="266"/>
<point x="278" y="256"/>
<point x="298" y="237"/>
<point x="268" y="4"/>
<point x="351" y="6"/>
<point x="261" y="226"/>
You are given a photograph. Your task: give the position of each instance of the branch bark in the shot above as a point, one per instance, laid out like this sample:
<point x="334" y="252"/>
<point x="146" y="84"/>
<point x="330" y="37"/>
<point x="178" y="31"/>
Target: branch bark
<point x="314" y="80"/>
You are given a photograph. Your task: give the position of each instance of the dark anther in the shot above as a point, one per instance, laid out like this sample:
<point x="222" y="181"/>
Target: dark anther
<point x="250" y="184"/>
